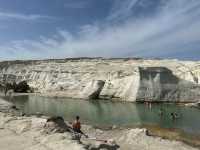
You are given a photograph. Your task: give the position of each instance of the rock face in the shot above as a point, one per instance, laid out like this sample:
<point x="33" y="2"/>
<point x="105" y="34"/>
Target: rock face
<point x="92" y="90"/>
<point x="159" y="84"/>
<point x="119" y="79"/>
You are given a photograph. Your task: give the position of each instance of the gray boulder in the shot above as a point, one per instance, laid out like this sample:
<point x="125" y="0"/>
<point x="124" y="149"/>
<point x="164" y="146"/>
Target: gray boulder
<point x="56" y="125"/>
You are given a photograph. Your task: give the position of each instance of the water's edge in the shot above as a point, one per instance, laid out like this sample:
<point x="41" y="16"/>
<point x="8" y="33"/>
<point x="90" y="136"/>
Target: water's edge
<point x="154" y="130"/>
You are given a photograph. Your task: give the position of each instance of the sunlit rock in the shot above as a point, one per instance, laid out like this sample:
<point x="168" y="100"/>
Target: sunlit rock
<point x="124" y="79"/>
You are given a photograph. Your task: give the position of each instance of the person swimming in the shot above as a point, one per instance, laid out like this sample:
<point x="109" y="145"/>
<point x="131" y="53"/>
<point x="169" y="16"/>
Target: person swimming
<point x="161" y="112"/>
<point x="174" y="116"/>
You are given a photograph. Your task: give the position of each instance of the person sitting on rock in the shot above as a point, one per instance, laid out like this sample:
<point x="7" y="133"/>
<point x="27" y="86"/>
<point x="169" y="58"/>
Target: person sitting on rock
<point x="76" y="126"/>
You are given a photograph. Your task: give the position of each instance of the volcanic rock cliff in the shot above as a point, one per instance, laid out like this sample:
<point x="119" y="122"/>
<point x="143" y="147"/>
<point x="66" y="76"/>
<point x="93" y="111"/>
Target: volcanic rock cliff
<point x="117" y="79"/>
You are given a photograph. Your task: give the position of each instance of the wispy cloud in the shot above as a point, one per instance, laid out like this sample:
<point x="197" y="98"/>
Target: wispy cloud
<point x="18" y="16"/>
<point x="76" y="4"/>
<point x="121" y="9"/>
<point x="174" y="30"/>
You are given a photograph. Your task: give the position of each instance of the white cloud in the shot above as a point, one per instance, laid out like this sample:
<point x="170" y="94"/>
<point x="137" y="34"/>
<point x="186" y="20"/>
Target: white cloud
<point x="121" y="9"/>
<point x="18" y="16"/>
<point x="173" y="29"/>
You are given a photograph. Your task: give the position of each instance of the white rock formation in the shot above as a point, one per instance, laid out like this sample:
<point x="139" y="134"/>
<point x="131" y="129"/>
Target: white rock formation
<point x="123" y="78"/>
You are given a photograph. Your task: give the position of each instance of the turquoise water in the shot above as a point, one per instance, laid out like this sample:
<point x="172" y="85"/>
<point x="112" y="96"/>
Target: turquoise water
<point x="105" y="113"/>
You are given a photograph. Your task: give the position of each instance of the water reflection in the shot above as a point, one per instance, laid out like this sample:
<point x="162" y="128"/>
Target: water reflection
<point x="108" y="113"/>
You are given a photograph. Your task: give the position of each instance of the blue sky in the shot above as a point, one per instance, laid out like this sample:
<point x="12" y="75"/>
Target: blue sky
<point x="37" y="29"/>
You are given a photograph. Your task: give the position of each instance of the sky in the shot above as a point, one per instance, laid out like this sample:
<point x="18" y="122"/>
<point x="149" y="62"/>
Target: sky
<point x="39" y="29"/>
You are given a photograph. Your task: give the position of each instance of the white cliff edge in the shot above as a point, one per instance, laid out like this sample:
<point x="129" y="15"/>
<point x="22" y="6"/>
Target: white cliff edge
<point x="121" y="79"/>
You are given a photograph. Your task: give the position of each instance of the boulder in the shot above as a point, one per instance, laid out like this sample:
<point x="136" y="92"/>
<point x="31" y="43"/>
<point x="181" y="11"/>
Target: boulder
<point x="92" y="90"/>
<point x="56" y="125"/>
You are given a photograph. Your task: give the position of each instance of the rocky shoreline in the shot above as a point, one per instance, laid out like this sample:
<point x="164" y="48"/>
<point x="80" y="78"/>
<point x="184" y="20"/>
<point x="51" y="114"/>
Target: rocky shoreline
<point x="29" y="133"/>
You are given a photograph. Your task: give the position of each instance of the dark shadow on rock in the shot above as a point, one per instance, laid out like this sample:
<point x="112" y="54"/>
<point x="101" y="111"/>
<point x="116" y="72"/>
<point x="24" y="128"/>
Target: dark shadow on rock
<point x="105" y="147"/>
<point x="160" y="84"/>
<point x="15" y="107"/>
<point x="92" y="89"/>
<point x="95" y="94"/>
<point x="56" y="124"/>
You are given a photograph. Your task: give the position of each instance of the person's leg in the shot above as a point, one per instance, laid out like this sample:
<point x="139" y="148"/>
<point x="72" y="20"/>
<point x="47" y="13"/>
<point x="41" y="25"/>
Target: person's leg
<point x="83" y="133"/>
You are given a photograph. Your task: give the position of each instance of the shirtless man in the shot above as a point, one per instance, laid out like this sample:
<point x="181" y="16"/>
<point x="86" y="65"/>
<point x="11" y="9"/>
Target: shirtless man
<point x="76" y="126"/>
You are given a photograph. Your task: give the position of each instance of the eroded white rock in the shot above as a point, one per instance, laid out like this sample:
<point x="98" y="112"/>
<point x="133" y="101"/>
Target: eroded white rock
<point x="80" y="78"/>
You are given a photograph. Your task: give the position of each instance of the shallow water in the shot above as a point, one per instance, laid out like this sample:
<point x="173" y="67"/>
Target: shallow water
<point x="105" y="113"/>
